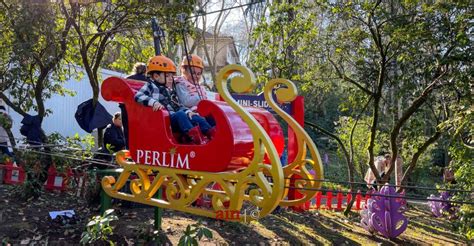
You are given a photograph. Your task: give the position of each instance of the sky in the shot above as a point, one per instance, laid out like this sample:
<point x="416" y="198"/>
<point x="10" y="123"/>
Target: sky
<point x="234" y="18"/>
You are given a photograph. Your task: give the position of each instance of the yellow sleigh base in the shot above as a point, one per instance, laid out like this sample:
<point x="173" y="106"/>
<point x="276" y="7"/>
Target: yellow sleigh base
<point x="239" y="196"/>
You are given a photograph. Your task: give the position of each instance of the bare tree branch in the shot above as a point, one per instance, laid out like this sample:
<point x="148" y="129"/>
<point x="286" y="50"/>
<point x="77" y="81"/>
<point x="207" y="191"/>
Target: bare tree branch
<point x="347" y="79"/>
<point x="417" y="155"/>
<point x="12" y="105"/>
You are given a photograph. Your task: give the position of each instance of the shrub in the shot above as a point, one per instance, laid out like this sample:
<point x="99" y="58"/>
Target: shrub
<point x="194" y="233"/>
<point x="99" y="229"/>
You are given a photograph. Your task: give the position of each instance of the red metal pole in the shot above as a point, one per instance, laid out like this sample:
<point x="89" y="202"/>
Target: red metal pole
<point x="358" y="200"/>
<point x="297" y="111"/>
<point x="339" y="201"/>
<point x="318" y="199"/>
<point x="348" y="196"/>
<point x="329" y="200"/>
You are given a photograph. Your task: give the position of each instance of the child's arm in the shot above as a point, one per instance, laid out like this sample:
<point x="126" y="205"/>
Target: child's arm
<point x="144" y="95"/>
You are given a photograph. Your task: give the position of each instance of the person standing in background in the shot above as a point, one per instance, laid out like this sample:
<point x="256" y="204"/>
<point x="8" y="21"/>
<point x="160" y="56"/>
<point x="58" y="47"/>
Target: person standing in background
<point x="113" y="136"/>
<point x="326" y="159"/>
<point x="5" y="124"/>
<point x="381" y="163"/>
<point x="139" y="72"/>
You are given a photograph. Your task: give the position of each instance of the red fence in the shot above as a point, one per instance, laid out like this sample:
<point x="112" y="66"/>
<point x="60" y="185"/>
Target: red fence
<point x="338" y="201"/>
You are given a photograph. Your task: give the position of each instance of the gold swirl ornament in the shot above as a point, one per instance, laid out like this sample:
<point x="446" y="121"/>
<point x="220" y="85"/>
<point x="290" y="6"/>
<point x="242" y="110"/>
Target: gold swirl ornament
<point x="265" y="196"/>
<point x="306" y="183"/>
<point x="228" y="191"/>
<point x="182" y="187"/>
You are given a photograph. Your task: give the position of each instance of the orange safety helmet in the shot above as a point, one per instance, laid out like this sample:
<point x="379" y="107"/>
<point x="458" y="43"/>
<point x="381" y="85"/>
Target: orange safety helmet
<point x="160" y="64"/>
<point x="195" y="60"/>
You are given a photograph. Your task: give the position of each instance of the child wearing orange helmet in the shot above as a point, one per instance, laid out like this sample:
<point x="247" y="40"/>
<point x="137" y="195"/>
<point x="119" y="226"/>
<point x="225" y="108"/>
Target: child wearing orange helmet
<point x="188" y="89"/>
<point x="158" y="93"/>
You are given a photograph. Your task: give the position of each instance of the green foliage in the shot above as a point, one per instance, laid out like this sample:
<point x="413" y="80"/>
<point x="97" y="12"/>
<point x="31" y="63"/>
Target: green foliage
<point x="109" y="148"/>
<point x="31" y="188"/>
<point x="99" y="229"/>
<point x="118" y="34"/>
<point x="92" y="189"/>
<point x="64" y="153"/>
<point x="5" y="241"/>
<point x="405" y="54"/>
<point x="5" y="121"/>
<point x="462" y="163"/>
<point x="35" y="174"/>
<point x="70" y="152"/>
<point x="4" y="158"/>
<point x="360" y="140"/>
<point x="193" y="233"/>
<point x="285" y="36"/>
<point x="31" y="64"/>
<point x="460" y="126"/>
<point x="147" y="234"/>
<point x="465" y="224"/>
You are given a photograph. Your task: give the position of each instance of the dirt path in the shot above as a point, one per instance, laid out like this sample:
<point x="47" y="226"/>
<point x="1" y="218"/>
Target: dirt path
<point x="28" y="222"/>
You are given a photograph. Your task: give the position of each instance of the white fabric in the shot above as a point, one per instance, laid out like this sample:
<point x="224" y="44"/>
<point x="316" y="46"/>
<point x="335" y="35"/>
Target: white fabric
<point x="381" y="168"/>
<point x="398" y="171"/>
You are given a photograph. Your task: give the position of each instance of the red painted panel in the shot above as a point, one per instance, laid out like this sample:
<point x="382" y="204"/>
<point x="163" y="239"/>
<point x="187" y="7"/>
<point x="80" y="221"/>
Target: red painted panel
<point x="152" y="142"/>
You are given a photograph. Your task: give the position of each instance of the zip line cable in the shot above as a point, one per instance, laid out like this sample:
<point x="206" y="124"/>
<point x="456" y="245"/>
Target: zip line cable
<point x="419" y="198"/>
<point x="29" y="148"/>
<point x="392" y="185"/>
<point x="65" y="155"/>
<point x="225" y="9"/>
<point x="70" y="157"/>
<point x="41" y="145"/>
<point x="182" y="19"/>
<point x="368" y="192"/>
<point x="389" y="196"/>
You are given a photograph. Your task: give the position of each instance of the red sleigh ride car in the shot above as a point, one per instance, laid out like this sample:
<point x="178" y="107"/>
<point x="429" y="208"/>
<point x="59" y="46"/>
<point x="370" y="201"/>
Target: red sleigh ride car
<point x="152" y="142"/>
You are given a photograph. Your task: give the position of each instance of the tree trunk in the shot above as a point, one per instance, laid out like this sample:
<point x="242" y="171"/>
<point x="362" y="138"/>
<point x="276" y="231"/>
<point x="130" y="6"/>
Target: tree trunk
<point x="12" y="138"/>
<point x="417" y="155"/>
<point x="350" y="164"/>
<point x="417" y="103"/>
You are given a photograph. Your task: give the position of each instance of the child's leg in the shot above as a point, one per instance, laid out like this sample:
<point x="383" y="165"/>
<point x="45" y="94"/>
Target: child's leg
<point x="211" y="121"/>
<point x="191" y="132"/>
<point x="201" y="121"/>
<point x="181" y="120"/>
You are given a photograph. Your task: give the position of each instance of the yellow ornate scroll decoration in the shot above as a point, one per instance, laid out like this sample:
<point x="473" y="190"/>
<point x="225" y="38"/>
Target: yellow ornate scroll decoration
<point x="248" y="192"/>
<point x="298" y="168"/>
<point x="266" y="196"/>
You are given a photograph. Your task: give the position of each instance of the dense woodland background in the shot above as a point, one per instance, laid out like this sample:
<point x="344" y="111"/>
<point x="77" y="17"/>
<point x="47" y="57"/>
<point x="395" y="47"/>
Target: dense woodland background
<point x="377" y="76"/>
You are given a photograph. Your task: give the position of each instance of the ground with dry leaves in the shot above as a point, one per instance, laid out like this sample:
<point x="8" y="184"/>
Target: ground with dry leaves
<point x="27" y="222"/>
